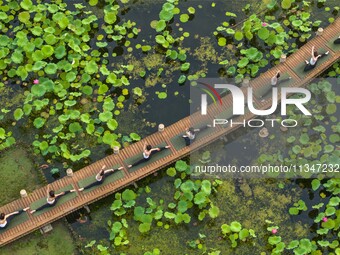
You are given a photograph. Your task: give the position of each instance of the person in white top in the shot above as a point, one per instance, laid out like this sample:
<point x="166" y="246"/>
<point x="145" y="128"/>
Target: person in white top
<point x="6" y="218"/>
<point x="51" y="199"/>
<point x="100" y="177"/>
<point x="190" y="134"/>
<point x="148" y="151"/>
<point x="275" y="80"/>
<point x="313" y="60"/>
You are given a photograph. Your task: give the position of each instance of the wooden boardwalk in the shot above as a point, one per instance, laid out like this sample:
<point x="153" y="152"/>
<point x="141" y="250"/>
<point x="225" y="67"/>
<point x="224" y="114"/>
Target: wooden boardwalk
<point x="290" y="68"/>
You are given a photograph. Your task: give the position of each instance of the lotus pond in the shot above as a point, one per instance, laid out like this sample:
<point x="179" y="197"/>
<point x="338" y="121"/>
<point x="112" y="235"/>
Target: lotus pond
<point x="80" y="77"/>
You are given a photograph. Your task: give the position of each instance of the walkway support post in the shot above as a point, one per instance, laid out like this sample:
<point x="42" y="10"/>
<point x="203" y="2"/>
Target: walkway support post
<point x="69" y="172"/>
<point x="283" y="58"/>
<point x="161" y="127"/>
<point x="320" y="31"/>
<point x="23" y="193"/>
<point x="115" y="149"/>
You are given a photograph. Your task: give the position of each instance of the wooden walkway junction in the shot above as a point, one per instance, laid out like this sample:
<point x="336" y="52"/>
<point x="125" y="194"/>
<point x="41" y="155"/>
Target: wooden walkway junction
<point x="27" y="223"/>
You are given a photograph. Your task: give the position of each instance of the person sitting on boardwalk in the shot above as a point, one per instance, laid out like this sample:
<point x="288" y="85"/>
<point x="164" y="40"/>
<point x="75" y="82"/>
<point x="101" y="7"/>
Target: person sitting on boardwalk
<point x="275" y="79"/>
<point x="315" y="56"/>
<point x="100" y="177"/>
<point x="6" y="218"/>
<point x="148" y="151"/>
<point x="190" y="134"/>
<point x="52" y="199"/>
<point x="337" y="40"/>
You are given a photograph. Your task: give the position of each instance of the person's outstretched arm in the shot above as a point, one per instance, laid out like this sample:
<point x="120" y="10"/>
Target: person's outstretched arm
<point x="10" y="214"/>
<point x="313" y="51"/>
<point x="98" y="174"/>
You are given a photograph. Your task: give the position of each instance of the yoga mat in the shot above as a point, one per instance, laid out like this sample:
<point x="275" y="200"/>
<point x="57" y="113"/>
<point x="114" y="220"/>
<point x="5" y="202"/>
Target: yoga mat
<point x="178" y="141"/>
<point x="265" y="91"/>
<point x="60" y="201"/>
<point x="15" y="221"/>
<point x="118" y="174"/>
<point x="153" y="158"/>
<point x="299" y="69"/>
<point x="330" y="44"/>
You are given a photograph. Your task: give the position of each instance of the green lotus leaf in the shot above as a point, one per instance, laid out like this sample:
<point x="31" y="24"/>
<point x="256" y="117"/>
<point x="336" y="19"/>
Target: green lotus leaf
<point x="162" y="95"/>
<point x="38" y="65"/>
<point x="144" y="227"/>
<point x="105" y="116"/>
<point x="315" y="184"/>
<point x="51" y="68"/>
<point x="38" y="90"/>
<point x="18" y="113"/>
<point x="304" y="139"/>
<point x="214" y="211"/>
<point x="160" y="39"/>
<point x="200" y="198"/>
<point x="110" y="17"/>
<point x="169" y="215"/>
<point x="160" y="26"/>
<point x="296" y="149"/>
<point x="71" y="76"/>
<point x="17" y="57"/>
<point x="330" y="211"/>
<point x="225" y="228"/>
<point x="39" y="122"/>
<point x="73" y="114"/>
<point x="263" y="33"/>
<point x="182" y="79"/>
<point x="184" y="18"/>
<point x="62" y="20"/>
<point x="91" y="67"/>
<point x="47" y="50"/>
<point x="87" y="90"/>
<point x="135" y="137"/>
<point x="3" y="16"/>
<point x="244" y="233"/>
<point x="50" y="39"/>
<point x="112" y="124"/>
<point x="109" y="138"/>
<point x="37" y="31"/>
<point x="243" y="62"/>
<point x="185" y="66"/>
<point x="108" y="105"/>
<point x="166" y="15"/>
<point x="70" y="102"/>
<point x="24" y="17"/>
<point x="75" y="127"/>
<point x="334" y="201"/>
<point x="331" y="109"/>
<point x="291" y="139"/>
<point x="191" y="10"/>
<point x="21" y="72"/>
<point x="206" y="187"/>
<point x="286" y="4"/>
<point x="297" y="23"/>
<point x="182" y="56"/>
<point x="238" y="35"/>
<point x="273" y="240"/>
<point x="171" y="171"/>
<point x="60" y="51"/>
<point x="116" y="227"/>
<point x="128" y="195"/>
<point x="101" y="44"/>
<point x="235" y="226"/>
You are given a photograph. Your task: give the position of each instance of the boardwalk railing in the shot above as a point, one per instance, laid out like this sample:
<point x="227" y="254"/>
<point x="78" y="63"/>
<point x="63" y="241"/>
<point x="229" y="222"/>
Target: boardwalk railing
<point x="27" y="223"/>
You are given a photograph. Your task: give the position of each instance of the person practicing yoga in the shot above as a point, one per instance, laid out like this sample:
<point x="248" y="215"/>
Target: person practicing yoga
<point x="52" y="199"/>
<point x="100" y="177"/>
<point x="337" y="40"/>
<point x="6" y="218"/>
<point x="275" y="80"/>
<point x="190" y="134"/>
<point x="148" y="151"/>
<point x="315" y="56"/>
